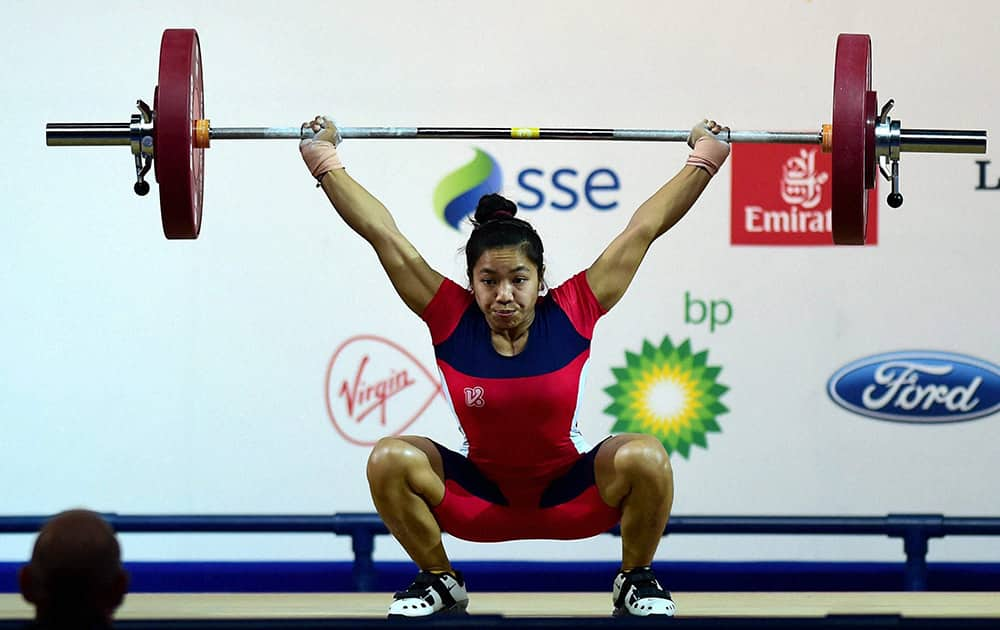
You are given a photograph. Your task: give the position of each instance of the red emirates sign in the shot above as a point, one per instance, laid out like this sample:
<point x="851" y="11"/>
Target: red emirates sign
<point x="781" y="195"/>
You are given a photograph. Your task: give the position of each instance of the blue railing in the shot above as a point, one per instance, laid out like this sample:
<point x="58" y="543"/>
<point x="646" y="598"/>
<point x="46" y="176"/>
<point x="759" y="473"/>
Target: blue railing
<point x="915" y="530"/>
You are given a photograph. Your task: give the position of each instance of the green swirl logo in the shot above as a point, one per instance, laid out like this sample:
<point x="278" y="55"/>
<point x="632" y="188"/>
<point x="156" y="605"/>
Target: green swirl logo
<point x="458" y="193"/>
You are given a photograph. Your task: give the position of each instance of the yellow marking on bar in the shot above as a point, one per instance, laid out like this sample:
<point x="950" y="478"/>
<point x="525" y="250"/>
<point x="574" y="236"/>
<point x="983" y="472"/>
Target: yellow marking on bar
<point x="524" y="132"/>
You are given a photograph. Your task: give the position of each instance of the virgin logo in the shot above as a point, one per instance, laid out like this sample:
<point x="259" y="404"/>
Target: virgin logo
<point x="375" y="388"/>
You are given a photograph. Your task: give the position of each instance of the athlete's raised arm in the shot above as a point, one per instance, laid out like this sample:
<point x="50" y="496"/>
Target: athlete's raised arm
<point x="612" y="272"/>
<point x="414" y="280"/>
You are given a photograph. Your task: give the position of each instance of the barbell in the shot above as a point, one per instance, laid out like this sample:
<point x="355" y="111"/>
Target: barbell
<point x="173" y="134"/>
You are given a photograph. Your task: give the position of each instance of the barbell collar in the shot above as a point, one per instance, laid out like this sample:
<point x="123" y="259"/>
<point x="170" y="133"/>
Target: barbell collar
<point x="888" y="136"/>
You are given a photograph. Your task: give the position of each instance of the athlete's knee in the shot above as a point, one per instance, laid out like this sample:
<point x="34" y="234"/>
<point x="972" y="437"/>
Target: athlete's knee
<point x="643" y="456"/>
<point x="392" y="457"/>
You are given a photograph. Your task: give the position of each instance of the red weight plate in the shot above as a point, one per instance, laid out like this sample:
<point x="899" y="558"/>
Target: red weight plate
<point x="871" y="117"/>
<point x="177" y="104"/>
<point x="851" y="89"/>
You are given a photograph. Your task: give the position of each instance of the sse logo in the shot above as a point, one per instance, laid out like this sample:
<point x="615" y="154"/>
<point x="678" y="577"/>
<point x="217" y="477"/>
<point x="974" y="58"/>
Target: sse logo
<point x="918" y="387"/>
<point x="564" y="188"/>
<point x="782" y="195"/>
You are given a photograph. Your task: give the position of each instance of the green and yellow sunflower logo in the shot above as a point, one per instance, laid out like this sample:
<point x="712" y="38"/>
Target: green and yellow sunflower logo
<point x="669" y="392"/>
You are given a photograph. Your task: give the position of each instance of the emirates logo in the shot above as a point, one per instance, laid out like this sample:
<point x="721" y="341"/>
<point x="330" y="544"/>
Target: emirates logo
<point x="801" y="183"/>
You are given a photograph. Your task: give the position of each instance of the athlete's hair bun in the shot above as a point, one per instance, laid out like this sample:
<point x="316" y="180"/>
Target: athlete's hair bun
<point x="493" y="207"/>
<point x="496" y="227"/>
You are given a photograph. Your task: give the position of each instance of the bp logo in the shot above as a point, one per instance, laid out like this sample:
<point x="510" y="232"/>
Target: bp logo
<point x="458" y="193"/>
<point x="669" y="392"/>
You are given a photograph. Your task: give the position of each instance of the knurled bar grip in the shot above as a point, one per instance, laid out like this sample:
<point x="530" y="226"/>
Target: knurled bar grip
<point x="514" y="133"/>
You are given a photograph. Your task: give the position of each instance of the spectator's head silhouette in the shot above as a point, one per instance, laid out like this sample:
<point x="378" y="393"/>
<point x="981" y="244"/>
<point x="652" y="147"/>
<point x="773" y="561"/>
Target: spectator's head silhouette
<point x="75" y="577"/>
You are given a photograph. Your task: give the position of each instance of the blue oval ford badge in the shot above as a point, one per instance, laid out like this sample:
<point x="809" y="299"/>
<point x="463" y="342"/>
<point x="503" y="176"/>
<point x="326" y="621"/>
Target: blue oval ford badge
<point x="918" y="387"/>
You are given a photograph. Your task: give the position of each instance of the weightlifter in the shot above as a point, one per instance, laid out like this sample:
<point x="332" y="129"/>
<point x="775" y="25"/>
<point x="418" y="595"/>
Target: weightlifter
<point x="512" y="362"/>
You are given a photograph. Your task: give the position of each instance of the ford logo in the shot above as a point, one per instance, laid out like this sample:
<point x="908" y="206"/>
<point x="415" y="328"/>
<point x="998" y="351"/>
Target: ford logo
<point x="918" y="387"/>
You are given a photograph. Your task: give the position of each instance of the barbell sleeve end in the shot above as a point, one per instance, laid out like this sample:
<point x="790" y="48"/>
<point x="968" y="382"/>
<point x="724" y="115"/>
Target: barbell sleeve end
<point x="87" y="134"/>
<point x="942" y="141"/>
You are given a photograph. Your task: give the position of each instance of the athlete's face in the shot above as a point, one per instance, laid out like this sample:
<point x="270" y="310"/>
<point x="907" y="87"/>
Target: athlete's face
<point x="505" y="283"/>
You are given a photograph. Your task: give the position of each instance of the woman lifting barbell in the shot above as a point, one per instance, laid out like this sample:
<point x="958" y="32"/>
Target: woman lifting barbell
<point x="512" y="363"/>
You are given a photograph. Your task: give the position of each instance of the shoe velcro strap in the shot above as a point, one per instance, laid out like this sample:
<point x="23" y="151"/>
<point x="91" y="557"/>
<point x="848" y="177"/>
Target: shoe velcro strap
<point x="443" y="592"/>
<point x="424" y="581"/>
<point x="418" y="588"/>
<point x="640" y="576"/>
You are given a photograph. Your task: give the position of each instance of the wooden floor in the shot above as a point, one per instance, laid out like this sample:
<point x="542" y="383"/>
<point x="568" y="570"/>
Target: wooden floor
<point x="374" y="605"/>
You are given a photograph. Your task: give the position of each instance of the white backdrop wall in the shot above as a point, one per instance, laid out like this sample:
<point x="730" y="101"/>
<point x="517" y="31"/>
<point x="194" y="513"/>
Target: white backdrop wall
<point x="147" y="376"/>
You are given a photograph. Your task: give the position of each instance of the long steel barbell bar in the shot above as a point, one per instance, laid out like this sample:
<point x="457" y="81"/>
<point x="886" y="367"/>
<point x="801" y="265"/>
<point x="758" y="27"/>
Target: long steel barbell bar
<point x="910" y="140"/>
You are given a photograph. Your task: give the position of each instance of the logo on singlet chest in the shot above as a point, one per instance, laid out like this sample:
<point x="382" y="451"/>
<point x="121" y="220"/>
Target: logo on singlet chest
<point x="474" y="397"/>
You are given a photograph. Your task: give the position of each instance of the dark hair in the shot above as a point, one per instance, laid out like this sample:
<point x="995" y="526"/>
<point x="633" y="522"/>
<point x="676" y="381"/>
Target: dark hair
<point x="495" y="226"/>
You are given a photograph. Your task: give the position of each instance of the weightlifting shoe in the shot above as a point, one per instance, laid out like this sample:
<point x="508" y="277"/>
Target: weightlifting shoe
<point x="637" y="593"/>
<point x="431" y="594"/>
